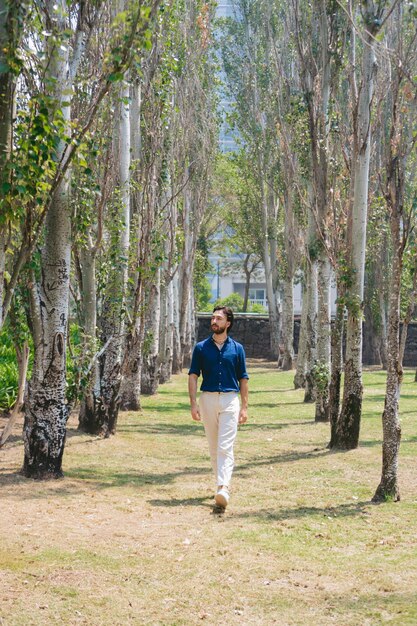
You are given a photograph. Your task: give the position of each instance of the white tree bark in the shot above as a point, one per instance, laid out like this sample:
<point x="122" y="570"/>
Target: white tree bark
<point x="270" y="260"/>
<point x="311" y="326"/>
<point x="347" y="436"/>
<point x="323" y="339"/>
<point x="301" y="369"/>
<point x="89" y="313"/>
<point x="320" y="169"/>
<point x="150" y="373"/>
<point x="287" y="359"/>
<point x="388" y="486"/>
<point x="176" y="346"/>
<point x="130" y="389"/>
<point x="46" y="409"/>
<point x="186" y="274"/>
<point x="166" y="331"/>
<point x="102" y="411"/>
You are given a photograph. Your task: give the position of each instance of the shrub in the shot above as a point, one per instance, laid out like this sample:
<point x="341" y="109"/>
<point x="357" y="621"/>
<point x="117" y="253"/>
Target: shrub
<point x="257" y="308"/>
<point x="235" y="301"/>
<point x="9" y="374"/>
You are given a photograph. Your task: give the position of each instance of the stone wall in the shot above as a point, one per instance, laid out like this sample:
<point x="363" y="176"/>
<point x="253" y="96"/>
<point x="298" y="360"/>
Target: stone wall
<point x="253" y="333"/>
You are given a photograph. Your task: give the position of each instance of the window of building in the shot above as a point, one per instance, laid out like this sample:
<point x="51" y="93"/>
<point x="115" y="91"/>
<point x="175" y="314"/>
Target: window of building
<point x="257" y="294"/>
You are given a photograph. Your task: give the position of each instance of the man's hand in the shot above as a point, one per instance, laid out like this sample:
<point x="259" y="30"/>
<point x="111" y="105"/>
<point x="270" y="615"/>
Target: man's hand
<point x="195" y="413"/>
<point x="192" y="391"/>
<point x="243" y="416"/>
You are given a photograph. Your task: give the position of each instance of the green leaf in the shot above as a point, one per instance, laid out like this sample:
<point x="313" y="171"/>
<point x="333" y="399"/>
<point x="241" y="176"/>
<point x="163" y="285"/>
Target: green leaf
<point x="115" y="77"/>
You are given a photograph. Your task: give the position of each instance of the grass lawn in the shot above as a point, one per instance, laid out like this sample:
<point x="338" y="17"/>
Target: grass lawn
<point x="128" y="536"/>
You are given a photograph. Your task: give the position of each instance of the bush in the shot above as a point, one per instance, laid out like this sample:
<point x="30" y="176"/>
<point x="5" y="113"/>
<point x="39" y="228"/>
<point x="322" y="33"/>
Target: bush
<point x="257" y="308"/>
<point x="9" y="374"/>
<point x="235" y="301"/>
<point x="203" y="295"/>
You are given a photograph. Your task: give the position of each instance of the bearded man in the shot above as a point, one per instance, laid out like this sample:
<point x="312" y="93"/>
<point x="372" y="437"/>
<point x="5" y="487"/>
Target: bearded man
<point x="222" y="363"/>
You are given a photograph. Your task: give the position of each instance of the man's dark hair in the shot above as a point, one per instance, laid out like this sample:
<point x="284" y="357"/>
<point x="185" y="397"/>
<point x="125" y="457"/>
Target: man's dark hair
<point x="228" y="313"/>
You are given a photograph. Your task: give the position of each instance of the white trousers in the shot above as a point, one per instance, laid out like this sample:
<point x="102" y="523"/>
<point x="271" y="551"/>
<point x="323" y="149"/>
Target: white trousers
<point x="220" y="414"/>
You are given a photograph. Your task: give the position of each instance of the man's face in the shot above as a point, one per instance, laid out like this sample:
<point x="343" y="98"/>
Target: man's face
<point x="219" y="322"/>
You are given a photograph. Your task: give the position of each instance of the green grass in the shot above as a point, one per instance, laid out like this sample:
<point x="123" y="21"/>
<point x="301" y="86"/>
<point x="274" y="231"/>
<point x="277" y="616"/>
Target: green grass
<point x="128" y="536"/>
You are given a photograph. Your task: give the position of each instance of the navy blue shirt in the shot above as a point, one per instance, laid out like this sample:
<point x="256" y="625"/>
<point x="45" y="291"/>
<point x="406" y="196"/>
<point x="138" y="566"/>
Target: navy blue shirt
<point x="222" y="369"/>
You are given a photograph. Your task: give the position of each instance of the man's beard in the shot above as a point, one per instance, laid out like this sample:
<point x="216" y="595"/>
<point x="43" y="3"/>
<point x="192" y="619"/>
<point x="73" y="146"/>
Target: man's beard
<point x="218" y="330"/>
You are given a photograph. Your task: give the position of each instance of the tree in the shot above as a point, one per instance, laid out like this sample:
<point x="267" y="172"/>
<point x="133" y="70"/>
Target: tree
<point x="46" y="409"/>
<point x="399" y="189"/>
<point x="319" y="57"/>
<point x="246" y="56"/>
<point x="348" y="426"/>
<point x="197" y="129"/>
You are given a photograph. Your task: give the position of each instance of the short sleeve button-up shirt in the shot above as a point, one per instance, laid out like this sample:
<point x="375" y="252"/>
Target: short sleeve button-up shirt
<point x="221" y="369"/>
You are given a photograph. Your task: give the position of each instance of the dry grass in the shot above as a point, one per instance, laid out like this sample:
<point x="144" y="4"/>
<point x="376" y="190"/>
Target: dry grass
<point x="128" y="536"/>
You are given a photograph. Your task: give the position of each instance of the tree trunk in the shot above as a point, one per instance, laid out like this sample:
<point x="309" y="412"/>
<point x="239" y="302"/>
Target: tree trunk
<point x="141" y="209"/>
<point x="300" y="374"/>
<point x="150" y="377"/>
<point x="287" y="359"/>
<point x="271" y="278"/>
<point x="311" y="331"/>
<point x="371" y="336"/>
<point x="130" y="390"/>
<point x="247" y="283"/>
<point x="166" y="332"/>
<point x="176" y="347"/>
<point x="347" y="434"/>
<point x="322" y="369"/>
<point x="46" y="411"/>
<point x="382" y="273"/>
<point x="102" y="409"/>
<point x="186" y="307"/>
<point x="407" y="319"/>
<point x="388" y="487"/>
<point x="319" y="145"/>
<point x="337" y="369"/>
<point x="89" y="319"/>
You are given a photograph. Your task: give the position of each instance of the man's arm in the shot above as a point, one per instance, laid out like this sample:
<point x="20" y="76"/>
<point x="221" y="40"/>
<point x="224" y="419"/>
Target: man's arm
<point x="244" y="396"/>
<point x="192" y="392"/>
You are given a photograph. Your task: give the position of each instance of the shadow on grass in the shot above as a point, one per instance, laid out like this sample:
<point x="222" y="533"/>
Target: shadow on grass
<point x="277" y="405"/>
<point x="278" y="515"/>
<point x="176" y="407"/>
<point x="277" y="425"/>
<point x="100" y="478"/>
<point x="275" y="390"/>
<point x="195" y="428"/>
<point x="285" y="457"/>
<point x="172" y="502"/>
<point x="104" y="478"/>
<point x="161" y="428"/>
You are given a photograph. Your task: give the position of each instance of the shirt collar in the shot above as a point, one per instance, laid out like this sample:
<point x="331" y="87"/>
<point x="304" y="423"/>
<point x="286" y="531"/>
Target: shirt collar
<point x="226" y="340"/>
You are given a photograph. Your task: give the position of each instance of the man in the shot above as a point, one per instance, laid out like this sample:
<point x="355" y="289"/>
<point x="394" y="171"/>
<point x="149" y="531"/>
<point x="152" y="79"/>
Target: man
<point x="221" y="361"/>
